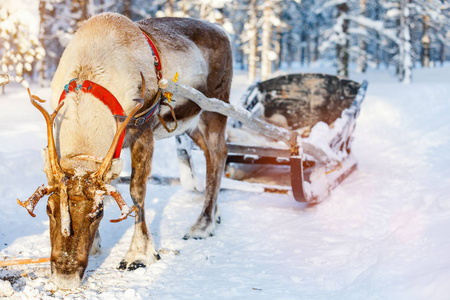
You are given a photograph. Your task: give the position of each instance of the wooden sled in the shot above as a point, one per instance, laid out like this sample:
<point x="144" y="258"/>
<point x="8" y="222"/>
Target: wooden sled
<point x="313" y="115"/>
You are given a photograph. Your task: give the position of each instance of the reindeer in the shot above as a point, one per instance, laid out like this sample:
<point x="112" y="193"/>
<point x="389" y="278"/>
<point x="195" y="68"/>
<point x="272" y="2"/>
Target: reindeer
<point x="110" y="62"/>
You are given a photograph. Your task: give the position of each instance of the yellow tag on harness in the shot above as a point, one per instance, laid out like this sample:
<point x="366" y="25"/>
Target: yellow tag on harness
<point x="169" y="95"/>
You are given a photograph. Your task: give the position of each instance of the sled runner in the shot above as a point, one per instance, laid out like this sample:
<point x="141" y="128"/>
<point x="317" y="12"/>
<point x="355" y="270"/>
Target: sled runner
<point x="304" y="123"/>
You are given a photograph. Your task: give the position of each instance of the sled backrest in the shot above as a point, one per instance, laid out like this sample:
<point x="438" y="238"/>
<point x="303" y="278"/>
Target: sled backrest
<point x="301" y="100"/>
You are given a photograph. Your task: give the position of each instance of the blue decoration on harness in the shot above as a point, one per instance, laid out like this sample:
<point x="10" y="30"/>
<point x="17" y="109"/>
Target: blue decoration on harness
<point x="76" y="88"/>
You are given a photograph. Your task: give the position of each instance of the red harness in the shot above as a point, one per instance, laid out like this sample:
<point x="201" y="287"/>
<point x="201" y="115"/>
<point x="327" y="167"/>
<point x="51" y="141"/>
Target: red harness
<point x="155" y="53"/>
<point x="101" y="94"/>
<point x="108" y="98"/>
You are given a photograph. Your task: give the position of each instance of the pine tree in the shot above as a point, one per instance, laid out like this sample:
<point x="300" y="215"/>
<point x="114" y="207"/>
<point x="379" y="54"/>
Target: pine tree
<point x="269" y="34"/>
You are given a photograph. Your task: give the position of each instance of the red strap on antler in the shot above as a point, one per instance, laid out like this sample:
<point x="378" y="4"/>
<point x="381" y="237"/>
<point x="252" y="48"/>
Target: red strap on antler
<point x="101" y="94"/>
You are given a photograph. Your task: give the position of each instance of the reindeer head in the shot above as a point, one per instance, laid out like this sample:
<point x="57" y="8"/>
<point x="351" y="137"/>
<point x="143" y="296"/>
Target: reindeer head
<point x="75" y="204"/>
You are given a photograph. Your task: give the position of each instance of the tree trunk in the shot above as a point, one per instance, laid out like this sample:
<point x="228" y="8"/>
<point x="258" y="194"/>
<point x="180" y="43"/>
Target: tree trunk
<point x="405" y="47"/>
<point x="42" y="12"/>
<point x="289" y="50"/>
<point x="278" y="48"/>
<point x="266" y="63"/>
<point x="302" y="48"/>
<point x="342" y="46"/>
<point x="378" y="50"/>
<point x="253" y="42"/>
<point x="362" y="58"/>
<point x="79" y="6"/>
<point x="308" y="55"/>
<point x="425" y="54"/>
<point x="170" y="10"/>
<point x="316" y="51"/>
<point x="127" y="8"/>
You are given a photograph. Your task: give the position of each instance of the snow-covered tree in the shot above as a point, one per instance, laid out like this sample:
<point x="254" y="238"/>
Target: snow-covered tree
<point x="20" y="50"/>
<point x="270" y="34"/>
<point x="434" y="16"/>
<point x="59" y="21"/>
<point x="261" y="36"/>
<point x="336" y="33"/>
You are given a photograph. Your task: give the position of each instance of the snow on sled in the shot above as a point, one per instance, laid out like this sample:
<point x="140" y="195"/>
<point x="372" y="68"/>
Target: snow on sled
<point x="305" y="124"/>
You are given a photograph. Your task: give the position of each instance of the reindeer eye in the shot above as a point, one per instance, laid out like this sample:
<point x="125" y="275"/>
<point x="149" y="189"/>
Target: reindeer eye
<point x="99" y="213"/>
<point x="99" y="216"/>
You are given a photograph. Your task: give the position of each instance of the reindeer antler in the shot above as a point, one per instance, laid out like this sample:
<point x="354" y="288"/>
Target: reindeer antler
<point x="124" y="208"/>
<point x="121" y="127"/>
<point x="111" y="191"/>
<point x="53" y="155"/>
<point x="98" y="175"/>
<point x="60" y="180"/>
<point x="41" y="191"/>
<point x="34" y="199"/>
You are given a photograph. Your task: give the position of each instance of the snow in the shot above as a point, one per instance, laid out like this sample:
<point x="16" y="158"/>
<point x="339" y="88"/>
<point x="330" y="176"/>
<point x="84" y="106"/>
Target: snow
<point x="98" y="201"/>
<point x="382" y="233"/>
<point x="6" y="289"/>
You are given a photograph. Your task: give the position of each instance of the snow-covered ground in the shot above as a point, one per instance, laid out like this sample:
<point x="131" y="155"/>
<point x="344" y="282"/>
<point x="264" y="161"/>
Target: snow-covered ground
<point x="382" y="234"/>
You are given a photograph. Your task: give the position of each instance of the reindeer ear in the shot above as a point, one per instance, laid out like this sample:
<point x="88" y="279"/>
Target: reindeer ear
<point x="47" y="166"/>
<point x="114" y="170"/>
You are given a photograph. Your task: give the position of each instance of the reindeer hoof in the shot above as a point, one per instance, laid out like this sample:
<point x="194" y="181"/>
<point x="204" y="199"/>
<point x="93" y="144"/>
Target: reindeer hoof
<point x="203" y="228"/>
<point x="122" y="265"/>
<point x="136" y="265"/>
<point x="187" y="237"/>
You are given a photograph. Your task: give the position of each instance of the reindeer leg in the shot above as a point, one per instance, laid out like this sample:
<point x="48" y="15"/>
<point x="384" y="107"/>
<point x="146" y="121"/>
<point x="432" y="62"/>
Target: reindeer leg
<point x="210" y="137"/>
<point x="142" y="249"/>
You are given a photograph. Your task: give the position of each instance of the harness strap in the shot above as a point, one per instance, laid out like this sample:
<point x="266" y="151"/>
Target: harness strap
<point x="111" y="102"/>
<point x="169" y="130"/>
<point x="158" y="65"/>
<point x="144" y="116"/>
<point x="101" y="94"/>
<point x="168" y="96"/>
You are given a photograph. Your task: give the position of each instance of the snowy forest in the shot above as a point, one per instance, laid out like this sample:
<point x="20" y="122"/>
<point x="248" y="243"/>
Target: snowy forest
<point x="266" y="35"/>
<point x="382" y="233"/>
